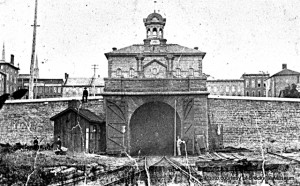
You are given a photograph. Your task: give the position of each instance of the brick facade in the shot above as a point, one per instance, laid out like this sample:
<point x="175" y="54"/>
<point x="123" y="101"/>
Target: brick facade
<point x="280" y="80"/>
<point x="11" y="72"/>
<point x="255" y="85"/>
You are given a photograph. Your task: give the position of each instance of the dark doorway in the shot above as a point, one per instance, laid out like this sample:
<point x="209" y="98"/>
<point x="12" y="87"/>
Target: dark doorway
<point x="152" y="129"/>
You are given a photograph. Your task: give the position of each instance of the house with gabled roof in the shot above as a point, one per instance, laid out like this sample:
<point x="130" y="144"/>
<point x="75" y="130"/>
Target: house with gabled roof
<point x="80" y="129"/>
<point x="280" y="80"/>
<point x="74" y="86"/>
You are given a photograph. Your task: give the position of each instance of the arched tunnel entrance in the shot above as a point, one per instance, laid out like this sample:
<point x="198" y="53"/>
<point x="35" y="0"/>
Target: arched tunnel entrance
<point x="152" y="129"/>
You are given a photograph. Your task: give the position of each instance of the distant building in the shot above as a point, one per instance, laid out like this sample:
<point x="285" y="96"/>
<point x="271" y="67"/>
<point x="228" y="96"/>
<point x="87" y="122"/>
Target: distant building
<point x="73" y="87"/>
<point x="254" y="84"/>
<point x="2" y="83"/>
<point x="9" y="74"/>
<point x="43" y="87"/>
<point x="280" y="80"/>
<point x="226" y="87"/>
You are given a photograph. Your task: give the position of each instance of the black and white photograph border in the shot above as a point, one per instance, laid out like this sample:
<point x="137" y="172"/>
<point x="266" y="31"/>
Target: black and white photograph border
<point x="150" y="92"/>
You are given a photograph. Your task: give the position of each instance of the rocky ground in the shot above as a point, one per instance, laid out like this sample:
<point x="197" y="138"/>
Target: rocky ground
<point x="44" y="167"/>
<point x="40" y="167"/>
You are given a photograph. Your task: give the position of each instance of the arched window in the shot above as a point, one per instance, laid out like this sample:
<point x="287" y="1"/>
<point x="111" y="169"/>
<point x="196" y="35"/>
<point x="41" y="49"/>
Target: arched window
<point x="148" y="32"/>
<point x="160" y="33"/>
<point x="131" y="72"/>
<point x="119" y="72"/>
<point x="253" y="93"/>
<point x="154" y="32"/>
<point x="191" y="72"/>
<point x="259" y="93"/>
<point x="247" y="93"/>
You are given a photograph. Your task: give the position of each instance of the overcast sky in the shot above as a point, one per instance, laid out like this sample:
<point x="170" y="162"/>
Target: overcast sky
<point x="238" y="36"/>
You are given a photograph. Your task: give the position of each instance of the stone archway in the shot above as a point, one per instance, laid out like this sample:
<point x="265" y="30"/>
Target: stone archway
<point x="152" y="129"/>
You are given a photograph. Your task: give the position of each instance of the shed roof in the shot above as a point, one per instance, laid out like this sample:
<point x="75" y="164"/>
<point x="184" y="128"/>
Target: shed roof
<point x="85" y="81"/>
<point x="85" y="113"/>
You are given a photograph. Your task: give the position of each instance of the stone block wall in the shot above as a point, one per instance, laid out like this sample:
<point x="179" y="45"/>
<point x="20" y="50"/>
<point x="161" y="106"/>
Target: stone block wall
<point x="246" y="121"/>
<point x="242" y="119"/>
<point x="21" y="120"/>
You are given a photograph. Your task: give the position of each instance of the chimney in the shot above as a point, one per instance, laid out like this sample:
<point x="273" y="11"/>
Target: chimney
<point x="284" y="66"/>
<point x="12" y="59"/>
<point x="74" y="104"/>
<point x="114" y="48"/>
<point x="196" y="48"/>
<point x="66" y="76"/>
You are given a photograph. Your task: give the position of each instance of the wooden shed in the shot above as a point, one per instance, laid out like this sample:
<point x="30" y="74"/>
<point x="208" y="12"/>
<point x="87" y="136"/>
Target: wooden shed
<point x="80" y="130"/>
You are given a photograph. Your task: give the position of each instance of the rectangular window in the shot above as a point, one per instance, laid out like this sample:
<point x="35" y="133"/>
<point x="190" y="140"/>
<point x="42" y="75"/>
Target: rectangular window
<point x="177" y="72"/>
<point x="131" y="71"/>
<point x="233" y="89"/>
<point x="247" y="83"/>
<point x="191" y="72"/>
<point x="215" y="89"/>
<point x="227" y="88"/>
<point x="253" y="83"/>
<point x="59" y="90"/>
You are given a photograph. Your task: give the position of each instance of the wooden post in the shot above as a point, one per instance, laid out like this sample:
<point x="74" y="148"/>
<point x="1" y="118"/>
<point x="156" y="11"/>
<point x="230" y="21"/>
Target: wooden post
<point x="175" y="130"/>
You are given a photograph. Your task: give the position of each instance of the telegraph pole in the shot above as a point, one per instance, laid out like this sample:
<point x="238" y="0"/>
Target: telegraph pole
<point x="31" y="79"/>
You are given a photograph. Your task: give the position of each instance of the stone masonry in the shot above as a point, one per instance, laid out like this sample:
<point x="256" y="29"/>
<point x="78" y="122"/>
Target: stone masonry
<point x="21" y="120"/>
<point x="245" y="120"/>
<point x="239" y="117"/>
<point x="154" y="93"/>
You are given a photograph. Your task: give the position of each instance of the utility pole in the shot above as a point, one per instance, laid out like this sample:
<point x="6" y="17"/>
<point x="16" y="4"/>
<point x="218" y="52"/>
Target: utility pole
<point x="95" y="67"/>
<point x="31" y="79"/>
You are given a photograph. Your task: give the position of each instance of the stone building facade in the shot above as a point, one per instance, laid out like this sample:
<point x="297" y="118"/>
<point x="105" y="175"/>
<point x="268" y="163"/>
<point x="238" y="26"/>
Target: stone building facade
<point x="280" y="80"/>
<point x="226" y="87"/>
<point x="154" y="93"/>
<point x="11" y="73"/>
<point x="255" y="85"/>
<point x="2" y="83"/>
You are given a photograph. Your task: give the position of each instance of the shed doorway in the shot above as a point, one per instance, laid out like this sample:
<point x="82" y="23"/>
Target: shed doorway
<point x="152" y="129"/>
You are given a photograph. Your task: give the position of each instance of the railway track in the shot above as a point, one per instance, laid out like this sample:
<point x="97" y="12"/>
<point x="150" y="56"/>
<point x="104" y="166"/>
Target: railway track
<point x="142" y="171"/>
<point x="137" y="171"/>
